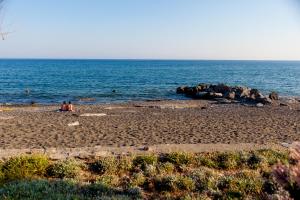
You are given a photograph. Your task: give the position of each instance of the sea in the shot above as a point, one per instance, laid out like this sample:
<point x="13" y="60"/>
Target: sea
<point x="50" y="81"/>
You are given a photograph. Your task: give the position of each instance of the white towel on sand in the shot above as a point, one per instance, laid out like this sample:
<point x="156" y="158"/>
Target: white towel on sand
<point x="93" y="115"/>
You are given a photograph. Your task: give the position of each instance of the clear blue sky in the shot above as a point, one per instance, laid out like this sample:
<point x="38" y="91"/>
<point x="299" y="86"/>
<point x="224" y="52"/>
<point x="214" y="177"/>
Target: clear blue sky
<point x="155" y="29"/>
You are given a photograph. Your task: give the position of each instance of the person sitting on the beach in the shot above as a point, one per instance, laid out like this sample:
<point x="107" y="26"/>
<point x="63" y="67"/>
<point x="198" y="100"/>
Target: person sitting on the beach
<point x="64" y="107"/>
<point x="70" y="107"/>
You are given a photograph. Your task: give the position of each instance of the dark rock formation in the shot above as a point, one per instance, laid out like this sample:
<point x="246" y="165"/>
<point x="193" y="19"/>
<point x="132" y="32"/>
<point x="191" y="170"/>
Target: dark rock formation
<point x="181" y="90"/>
<point x="222" y="91"/>
<point x="230" y="95"/>
<point x="274" y="96"/>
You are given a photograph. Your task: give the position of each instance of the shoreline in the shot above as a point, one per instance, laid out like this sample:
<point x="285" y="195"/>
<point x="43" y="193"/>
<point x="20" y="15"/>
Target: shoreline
<point x="285" y="98"/>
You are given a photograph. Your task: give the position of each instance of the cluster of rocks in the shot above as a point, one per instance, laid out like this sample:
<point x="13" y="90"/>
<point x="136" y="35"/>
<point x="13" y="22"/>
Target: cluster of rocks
<point x="222" y="91"/>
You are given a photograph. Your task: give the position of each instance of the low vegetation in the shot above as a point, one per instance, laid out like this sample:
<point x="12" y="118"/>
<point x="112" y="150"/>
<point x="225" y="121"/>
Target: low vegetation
<point x="64" y="169"/>
<point x="227" y="175"/>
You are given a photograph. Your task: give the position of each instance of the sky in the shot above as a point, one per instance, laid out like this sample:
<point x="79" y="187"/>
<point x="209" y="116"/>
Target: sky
<point x="152" y="29"/>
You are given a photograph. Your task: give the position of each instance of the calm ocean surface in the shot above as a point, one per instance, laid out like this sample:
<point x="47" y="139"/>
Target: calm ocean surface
<point x="52" y="81"/>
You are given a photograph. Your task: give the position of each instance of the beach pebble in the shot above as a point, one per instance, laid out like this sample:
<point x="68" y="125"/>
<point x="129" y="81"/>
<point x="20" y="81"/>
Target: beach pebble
<point x="74" y="124"/>
<point x="287" y="145"/>
<point x="292" y="101"/>
<point x="259" y="105"/>
<point x="6" y="118"/>
<point x="215" y="95"/>
<point x="146" y="148"/>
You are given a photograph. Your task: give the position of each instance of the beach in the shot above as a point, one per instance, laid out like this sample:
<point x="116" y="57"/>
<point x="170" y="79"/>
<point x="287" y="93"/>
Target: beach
<point x="148" y="123"/>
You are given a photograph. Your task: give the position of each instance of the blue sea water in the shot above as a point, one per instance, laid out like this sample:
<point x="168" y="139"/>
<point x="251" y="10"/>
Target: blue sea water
<point x="52" y="81"/>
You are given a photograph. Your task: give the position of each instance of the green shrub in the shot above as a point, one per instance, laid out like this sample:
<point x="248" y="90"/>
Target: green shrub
<point x="227" y="160"/>
<point x="42" y="189"/>
<point x="25" y="167"/>
<point x="150" y="170"/>
<point x="206" y="160"/>
<point x="250" y="181"/>
<point x="185" y="184"/>
<point x="125" y="182"/>
<point x="144" y="160"/>
<point x="166" y="168"/>
<point x="124" y="164"/>
<point x="273" y="157"/>
<point x="64" y="169"/>
<point x="165" y="184"/>
<point x="178" y="158"/>
<point x="107" y="165"/>
<point x="241" y="159"/>
<point x="205" y="179"/>
<point x="138" y="179"/>
<point x="2" y="175"/>
<point x="241" y="185"/>
<point x="108" y="180"/>
<point x="135" y="193"/>
<point x="254" y="161"/>
<point x="270" y="187"/>
<point x="194" y="197"/>
<point x="31" y="190"/>
<point x="102" y="191"/>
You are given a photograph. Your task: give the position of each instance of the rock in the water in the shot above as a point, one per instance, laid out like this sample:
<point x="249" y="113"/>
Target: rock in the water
<point x="273" y="96"/>
<point x="191" y="91"/>
<point x="218" y="94"/>
<point x="202" y="95"/>
<point x="181" y="90"/>
<point x="265" y="100"/>
<point x="221" y="88"/>
<point x="255" y="94"/>
<point x="212" y="95"/>
<point x="203" y="86"/>
<point x="230" y="95"/>
<point x="242" y="92"/>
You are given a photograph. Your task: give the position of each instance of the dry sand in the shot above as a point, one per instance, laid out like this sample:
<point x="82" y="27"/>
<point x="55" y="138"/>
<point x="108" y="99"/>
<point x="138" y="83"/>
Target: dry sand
<point x="148" y="123"/>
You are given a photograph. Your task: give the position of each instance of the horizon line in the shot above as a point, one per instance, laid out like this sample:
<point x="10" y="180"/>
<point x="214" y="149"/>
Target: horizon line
<point x="149" y="59"/>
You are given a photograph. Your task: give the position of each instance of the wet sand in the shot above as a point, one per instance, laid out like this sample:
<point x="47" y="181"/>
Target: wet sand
<point x="146" y="124"/>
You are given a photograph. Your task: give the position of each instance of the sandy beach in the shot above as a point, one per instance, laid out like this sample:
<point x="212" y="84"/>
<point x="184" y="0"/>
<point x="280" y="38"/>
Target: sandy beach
<point x="148" y="123"/>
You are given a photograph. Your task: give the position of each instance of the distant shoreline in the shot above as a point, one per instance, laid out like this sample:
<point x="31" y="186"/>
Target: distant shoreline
<point x="154" y="59"/>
